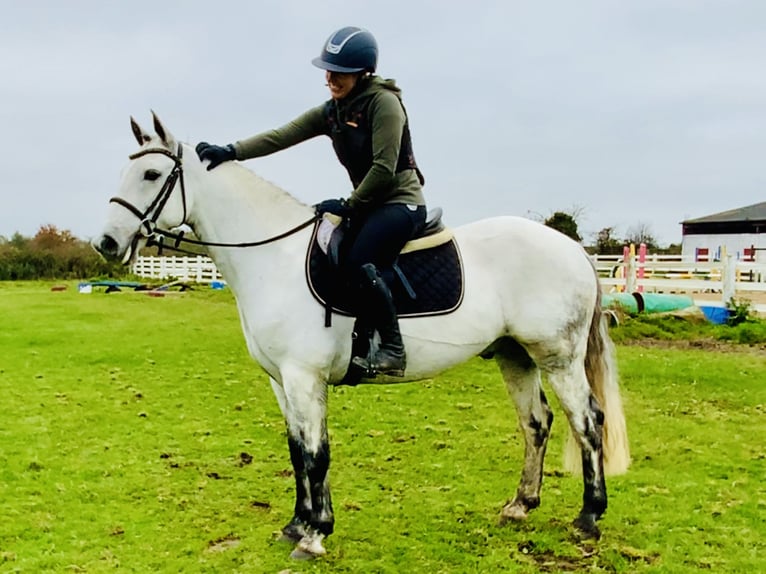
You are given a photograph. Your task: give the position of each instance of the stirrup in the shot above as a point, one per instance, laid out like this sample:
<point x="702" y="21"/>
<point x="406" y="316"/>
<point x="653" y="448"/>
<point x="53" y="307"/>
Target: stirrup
<point x="364" y="366"/>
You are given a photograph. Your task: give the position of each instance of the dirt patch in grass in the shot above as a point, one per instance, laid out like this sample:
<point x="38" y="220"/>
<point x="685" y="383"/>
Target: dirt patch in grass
<point x="711" y="344"/>
<point x="591" y="558"/>
<point x="222" y="544"/>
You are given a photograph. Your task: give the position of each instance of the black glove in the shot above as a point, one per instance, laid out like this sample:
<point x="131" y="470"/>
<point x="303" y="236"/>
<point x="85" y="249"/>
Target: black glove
<point x="335" y="206"/>
<point x="215" y="153"/>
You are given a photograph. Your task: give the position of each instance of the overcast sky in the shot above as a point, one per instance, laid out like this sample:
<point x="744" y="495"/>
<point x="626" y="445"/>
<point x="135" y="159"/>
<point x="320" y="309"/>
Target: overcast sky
<point x="627" y="112"/>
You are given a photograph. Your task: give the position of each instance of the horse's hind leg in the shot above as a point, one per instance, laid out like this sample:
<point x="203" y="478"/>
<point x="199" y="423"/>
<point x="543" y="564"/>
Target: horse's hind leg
<point x="586" y="420"/>
<point x="522" y="378"/>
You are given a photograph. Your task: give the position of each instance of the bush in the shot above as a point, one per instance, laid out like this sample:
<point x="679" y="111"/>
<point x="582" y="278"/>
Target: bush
<point x="752" y="332"/>
<point x="664" y="327"/>
<point x="52" y="254"/>
<point x="740" y="311"/>
<point x="658" y="326"/>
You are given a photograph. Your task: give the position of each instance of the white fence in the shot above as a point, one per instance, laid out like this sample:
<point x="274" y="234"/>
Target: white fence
<point x="657" y="273"/>
<point x="199" y="269"/>
<point x="673" y="274"/>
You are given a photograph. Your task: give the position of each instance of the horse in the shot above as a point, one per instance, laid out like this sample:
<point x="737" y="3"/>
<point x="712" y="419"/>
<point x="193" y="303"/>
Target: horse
<point x="531" y="301"/>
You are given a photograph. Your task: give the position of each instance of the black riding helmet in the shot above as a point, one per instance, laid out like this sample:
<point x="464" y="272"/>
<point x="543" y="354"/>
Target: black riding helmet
<point x="349" y="50"/>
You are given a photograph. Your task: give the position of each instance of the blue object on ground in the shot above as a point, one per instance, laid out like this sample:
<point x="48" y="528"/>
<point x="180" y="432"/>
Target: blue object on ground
<point x="116" y="284"/>
<point x="717" y="315"/>
<point x="217" y="284"/>
<point x="111" y="286"/>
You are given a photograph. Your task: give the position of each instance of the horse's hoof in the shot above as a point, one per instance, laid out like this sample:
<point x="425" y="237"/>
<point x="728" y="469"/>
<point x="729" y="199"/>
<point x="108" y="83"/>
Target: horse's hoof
<point x="512" y="513"/>
<point x="308" y="548"/>
<point x="586" y="528"/>
<point x="299" y="554"/>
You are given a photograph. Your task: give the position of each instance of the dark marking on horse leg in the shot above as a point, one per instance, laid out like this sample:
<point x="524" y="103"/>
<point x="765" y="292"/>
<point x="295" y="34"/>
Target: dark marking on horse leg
<point x="594" y="484"/>
<point x="544" y="402"/>
<point x="542" y="431"/>
<point x="317" y="465"/>
<point x="296" y="528"/>
<point x="536" y="441"/>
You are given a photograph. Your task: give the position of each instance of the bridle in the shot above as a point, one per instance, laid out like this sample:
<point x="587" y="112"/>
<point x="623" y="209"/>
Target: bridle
<point x="147" y="227"/>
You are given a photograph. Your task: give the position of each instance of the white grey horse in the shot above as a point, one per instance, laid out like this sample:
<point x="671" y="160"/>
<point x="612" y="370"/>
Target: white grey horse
<point x="531" y="300"/>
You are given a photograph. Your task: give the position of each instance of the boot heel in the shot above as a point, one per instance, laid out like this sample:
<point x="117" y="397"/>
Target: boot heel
<point x="393" y="373"/>
<point x="387" y="366"/>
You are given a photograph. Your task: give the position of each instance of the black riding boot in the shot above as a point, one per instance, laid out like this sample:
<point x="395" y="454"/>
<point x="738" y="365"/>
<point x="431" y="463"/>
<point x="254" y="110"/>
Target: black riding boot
<point x="389" y="358"/>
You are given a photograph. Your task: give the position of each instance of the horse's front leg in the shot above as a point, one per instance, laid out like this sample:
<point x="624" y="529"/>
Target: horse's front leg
<point x="294" y="530"/>
<point x="306" y="411"/>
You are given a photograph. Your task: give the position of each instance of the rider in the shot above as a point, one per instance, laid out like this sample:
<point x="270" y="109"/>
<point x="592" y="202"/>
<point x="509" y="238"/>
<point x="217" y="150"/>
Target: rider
<point x="369" y="129"/>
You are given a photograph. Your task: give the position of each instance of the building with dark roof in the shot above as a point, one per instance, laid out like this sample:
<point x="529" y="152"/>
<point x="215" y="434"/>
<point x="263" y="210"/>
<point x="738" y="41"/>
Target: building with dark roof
<point x="740" y="232"/>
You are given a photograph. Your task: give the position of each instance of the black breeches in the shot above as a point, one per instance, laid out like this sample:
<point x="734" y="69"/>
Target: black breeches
<point x="380" y="236"/>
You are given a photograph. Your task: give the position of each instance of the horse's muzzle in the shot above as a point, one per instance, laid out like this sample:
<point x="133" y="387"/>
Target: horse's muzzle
<point x="108" y="247"/>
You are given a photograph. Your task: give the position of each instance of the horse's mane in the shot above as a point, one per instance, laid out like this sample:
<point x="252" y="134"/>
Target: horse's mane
<point x="248" y="185"/>
<point x="251" y="187"/>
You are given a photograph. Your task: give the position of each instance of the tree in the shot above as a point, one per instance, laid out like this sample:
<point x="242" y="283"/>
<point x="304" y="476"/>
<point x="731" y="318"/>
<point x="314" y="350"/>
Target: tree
<point x="672" y="249"/>
<point x="49" y="238"/>
<point x="18" y="240"/>
<point x="607" y="243"/>
<point x="565" y="223"/>
<point x="641" y="233"/>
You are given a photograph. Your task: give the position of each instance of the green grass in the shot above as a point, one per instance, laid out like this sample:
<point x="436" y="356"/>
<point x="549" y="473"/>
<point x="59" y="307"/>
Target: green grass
<point x="129" y="423"/>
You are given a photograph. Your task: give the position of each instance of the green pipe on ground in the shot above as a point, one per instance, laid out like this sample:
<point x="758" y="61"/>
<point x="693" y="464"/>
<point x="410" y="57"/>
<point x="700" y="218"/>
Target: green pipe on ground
<point x="662" y="303"/>
<point x="634" y="303"/>
<point x="625" y="302"/>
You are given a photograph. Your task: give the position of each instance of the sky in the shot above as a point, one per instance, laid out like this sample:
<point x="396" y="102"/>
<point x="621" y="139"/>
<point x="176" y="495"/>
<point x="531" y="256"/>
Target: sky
<point x="629" y="114"/>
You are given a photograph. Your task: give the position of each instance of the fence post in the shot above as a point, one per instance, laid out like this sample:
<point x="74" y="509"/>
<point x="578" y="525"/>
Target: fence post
<point x="641" y="260"/>
<point x="729" y="272"/>
<point x="625" y="265"/>
<point x="630" y="274"/>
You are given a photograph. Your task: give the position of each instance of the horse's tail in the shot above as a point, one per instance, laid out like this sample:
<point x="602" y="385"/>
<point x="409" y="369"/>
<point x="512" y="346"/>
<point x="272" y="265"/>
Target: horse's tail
<point x="601" y="370"/>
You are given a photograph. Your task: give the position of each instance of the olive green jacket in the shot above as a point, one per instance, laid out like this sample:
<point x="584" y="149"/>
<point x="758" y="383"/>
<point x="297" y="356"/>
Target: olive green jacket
<point x="387" y="117"/>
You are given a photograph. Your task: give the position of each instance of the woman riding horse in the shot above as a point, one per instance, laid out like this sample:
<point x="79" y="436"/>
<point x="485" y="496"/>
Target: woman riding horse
<point x="369" y="129"/>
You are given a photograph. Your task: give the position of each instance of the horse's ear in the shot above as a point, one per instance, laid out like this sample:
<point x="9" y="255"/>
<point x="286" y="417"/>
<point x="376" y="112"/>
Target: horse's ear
<point x="141" y="136"/>
<point x="164" y="134"/>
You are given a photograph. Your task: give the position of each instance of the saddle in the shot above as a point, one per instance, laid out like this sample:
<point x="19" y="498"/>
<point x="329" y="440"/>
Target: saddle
<point x="426" y="279"/>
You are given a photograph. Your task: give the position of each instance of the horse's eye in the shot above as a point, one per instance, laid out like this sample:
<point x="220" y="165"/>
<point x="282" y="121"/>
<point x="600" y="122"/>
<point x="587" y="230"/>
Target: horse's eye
<point x="151" y="174"/>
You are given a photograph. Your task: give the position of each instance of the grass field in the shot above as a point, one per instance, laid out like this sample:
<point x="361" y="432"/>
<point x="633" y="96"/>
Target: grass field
<point x="136" y="435"/>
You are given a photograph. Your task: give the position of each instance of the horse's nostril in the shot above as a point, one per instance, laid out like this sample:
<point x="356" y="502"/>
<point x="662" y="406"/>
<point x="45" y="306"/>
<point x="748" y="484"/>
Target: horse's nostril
<point x="108" y="246"/>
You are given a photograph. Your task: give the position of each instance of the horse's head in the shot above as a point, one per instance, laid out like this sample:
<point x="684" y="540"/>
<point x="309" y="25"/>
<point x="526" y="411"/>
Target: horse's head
<point x="151" y="195"/>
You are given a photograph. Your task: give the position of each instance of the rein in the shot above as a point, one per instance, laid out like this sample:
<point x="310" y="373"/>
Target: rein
<point x="148" y="219"/>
